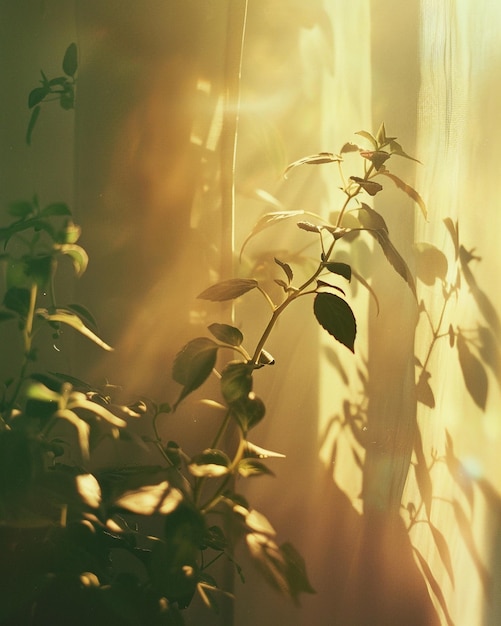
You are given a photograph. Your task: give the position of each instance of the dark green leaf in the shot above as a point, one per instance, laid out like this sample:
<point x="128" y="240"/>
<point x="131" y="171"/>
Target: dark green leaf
<point x="394" y="258"/>
<point x="474" y="374"/>
<point x="215" y="538"/>
<point x="297" y="577"/>
<point x="59" y="81"/>
<point x="286" y="268"/>
<point x="21" y="209"/>
<point x="228" y="289"/>
<point x="342" y="269"/>
<point x="227" y="334"/>
<point x="371" y="187"/>
<point x="39" y="269"/>
<point x="31" y="124"/>
<point x="431" y="263"/>
<point x="17" y="299"/>
<point x="56" y="208"/>
<point x="37" y="95"/>
<point x="236" y="380"/>
<point x="70" y="60"/>
<point x="247" y="411"/>
<point x="67" y="99"/>
<point x="193" y="365"/>
<point x="6" y="315"/>
<point x="335" y="315"/>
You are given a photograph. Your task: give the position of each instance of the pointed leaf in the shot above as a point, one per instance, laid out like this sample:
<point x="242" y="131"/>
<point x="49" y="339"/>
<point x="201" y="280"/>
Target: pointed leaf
<point x="394" y="258"/>
<point x="309" y="227"/>
<point x="342" y="269"/>
<point x="56" y="208"/>
<point x="474" y="374"/>
<point x="396" y="148"/>
<point x="37" y="95"/>
<point x="412" y="193"/>
<point x="65" y="316"/>
<point x="286" y="268"/>
<point x="31" y="124"/>
<point x="297" y="577"/>
<point x="70" y="60"/>
<point x="370" y="186"/>
<point x="82" y="428"/>
<point x="256" y="452"/>
<point x="335" y="315"/>
<point x="84" y="314"/>
<point x="267" y="220"/>
<point x="227" y="334"/>
<point x="377" y="157"/>
<point x="193" y="365"/>
<point x="313" y="159"/>
<point x="21" y="209"/>
<point x="247" y="411"/>
<point x="368" y="136"/>
<point x="251" y="467"/>
<point x="228" y="289"/>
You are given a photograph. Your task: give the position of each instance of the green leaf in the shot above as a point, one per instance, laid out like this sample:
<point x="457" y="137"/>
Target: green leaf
<point x="336" y="317"/>
<point x="341" y="269"/>
<point x="193" y="365"/>
<point x="6" y="315"/>
<point x="412" y="193"/>
<point x="55" y="208"/>
<point x="397" y="149"/>
<point x="70" y="60"/>
<point x="227" y="334"/>
<point x="70" y="234"/>
<point x="267" y="220"/>
<point x="371" y="187"/>
<point x="247" y="411"/>
<point x="286" y="268"/>
<point x="17" y="299"/>
<point x="210" y="463"/>
<point x="394" y="258"/>
<point x="21" y="209"/>
<point x="37" y="95"/>
<point x="228" y="289"/>
<point x="251" y="467"/>
<point x="431" y="263"/>
<point x="148" y="499"/>
<point x="65" y="316"/>
<point x="78" y="256"/>
<point x="39" y="269"/>
<point x="313" y="159"/>
<point x="84" y="314"/>
<point x="31" y="124"/>
<point x="369" y="137"/>
<point x="67" y="98"/>
<point x="474" y="374"/>
<point x="236" y="380"/>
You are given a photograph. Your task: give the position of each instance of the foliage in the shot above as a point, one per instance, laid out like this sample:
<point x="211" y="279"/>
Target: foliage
<point x="63" y="521"/>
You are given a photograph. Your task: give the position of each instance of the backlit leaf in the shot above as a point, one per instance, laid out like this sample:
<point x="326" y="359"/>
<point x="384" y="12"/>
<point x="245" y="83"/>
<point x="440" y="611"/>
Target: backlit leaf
<point x="78" y="255"/>
<point x="368" y="136"/>
<point x="335" y="315"/>
<point x="247" y="411"/>
<point x="267" y="220"/>
<point x="210" y="463"/>
<point x="227" y="334"/>
<point x="150" y="499"/>
<point x="65" y="316"/>
<point x="228" y="289"/>
<point x="313" y="159"/>
<point x="251" y="467"/>
<point x="286" y="268"/>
